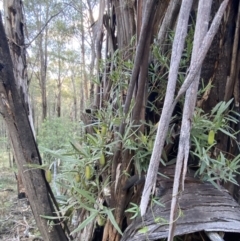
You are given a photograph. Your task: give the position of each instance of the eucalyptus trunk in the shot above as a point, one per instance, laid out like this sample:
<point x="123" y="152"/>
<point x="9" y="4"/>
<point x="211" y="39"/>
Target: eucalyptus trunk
<point x="15" y="113"/>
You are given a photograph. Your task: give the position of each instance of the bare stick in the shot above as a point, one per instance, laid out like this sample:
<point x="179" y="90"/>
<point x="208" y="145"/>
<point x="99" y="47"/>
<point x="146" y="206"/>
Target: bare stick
<point x="139" y="52"/>
<point x="170" y="15"/>
<point x="178" y="46"/>
<point x="196" y="66"/>
<point x="43" y="27"/>
<point x="203" y="15"/>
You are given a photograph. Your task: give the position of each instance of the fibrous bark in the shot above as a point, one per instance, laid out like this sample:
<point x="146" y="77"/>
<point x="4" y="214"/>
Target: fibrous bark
<point x="203" y="207"/>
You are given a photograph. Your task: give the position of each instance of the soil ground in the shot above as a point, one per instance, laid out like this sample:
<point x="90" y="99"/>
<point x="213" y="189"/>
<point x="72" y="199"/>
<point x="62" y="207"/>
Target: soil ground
<point x="16" y="219"/>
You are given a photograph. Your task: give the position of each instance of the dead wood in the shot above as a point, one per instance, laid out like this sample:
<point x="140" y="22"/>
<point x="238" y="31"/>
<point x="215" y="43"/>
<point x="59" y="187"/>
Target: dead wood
<point x="234" y="67"/>
<point x="203" y="16"/>
<point x="169" y="104"/>
<point x="201" y="207"/>
<point x="26" y="152"/>
<point x="178" y="46"/>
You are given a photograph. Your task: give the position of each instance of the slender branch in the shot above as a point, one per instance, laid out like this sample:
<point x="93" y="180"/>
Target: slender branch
<point x="195" y="67"/>
<point x="178" y="46"/>
<point x="140" y="102"/>
<point x="137" y="63"/>
<point x="169" y="18"/>
<point x="44" y="26"/>
<point x="139" y="53"/>
<point x="203" y="15"/>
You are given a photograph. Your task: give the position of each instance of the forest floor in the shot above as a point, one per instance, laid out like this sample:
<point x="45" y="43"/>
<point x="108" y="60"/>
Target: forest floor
<point x="16" y="219"/>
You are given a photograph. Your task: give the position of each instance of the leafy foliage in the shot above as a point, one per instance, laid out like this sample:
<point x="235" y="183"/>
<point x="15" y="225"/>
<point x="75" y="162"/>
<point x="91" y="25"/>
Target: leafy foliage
<point x="214" y="165"/>
<point x="56" y="134"/>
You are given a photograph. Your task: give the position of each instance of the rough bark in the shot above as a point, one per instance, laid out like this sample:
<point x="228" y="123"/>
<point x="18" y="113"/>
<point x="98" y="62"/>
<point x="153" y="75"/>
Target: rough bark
<point x="14" y="26"/>
<point x="15" y="114"/>
<point x="126" y="27"/>
<point x="202" y="207"/>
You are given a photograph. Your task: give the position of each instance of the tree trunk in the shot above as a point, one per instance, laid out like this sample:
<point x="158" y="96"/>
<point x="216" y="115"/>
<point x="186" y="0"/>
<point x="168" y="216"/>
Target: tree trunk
<point x="43" y="74"/>
<point x="85" y="79"/>
<point x="59" y="87"/>
<point x="14" y="31"/>
<point x="93" y="52"/>
<point x="26" y="153"/>
<point x="75" y="109"/>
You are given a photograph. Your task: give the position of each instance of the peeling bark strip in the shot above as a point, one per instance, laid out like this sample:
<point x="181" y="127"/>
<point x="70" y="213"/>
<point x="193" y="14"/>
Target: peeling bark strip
<point x="178" y="46"/>
<point x="26" y="152"/>
<point x="203" y="15"/>
<point x="202" y="207"/>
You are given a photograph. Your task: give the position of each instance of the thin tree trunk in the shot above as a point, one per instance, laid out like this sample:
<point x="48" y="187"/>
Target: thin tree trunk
<point x="93" y="52"/>
<point x="25" y="150"/>
<point x="42" y="41"/>
<point x="43" y="70"/>
<point x="75" y="110"/>
<point x="99" y="40"/>
<point x="85" y="83"/>
<point x="59" y="87"/>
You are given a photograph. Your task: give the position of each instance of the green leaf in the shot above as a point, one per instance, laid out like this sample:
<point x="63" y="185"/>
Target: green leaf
<point x="49" y="217"/>
<point x="85" y="222"/>
<point x="227" y="133"/>
<point x="85" y="194"/>
<point x="158" y="203"/>
<point x="112" y="219"/>
<point x="134" y="209"/>
<point x="143" y="230"/>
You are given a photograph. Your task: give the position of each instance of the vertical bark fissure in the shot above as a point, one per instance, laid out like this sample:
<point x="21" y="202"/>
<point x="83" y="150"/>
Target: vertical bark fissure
<point x="233" y="72"/>
<point x="139" y="53"/>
